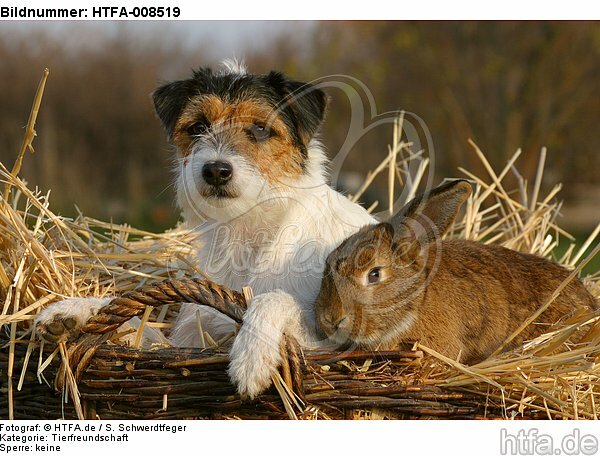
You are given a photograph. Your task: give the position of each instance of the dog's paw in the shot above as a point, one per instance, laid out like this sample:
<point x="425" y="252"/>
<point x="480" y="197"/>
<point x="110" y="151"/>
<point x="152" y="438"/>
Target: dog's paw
<point x="253" y="363"/>
<point x="255" y="355"/>
<point x="63" y="320"/>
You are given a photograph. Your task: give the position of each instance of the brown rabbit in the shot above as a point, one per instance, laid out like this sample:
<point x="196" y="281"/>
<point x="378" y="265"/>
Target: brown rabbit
<point x="397" y="282"/>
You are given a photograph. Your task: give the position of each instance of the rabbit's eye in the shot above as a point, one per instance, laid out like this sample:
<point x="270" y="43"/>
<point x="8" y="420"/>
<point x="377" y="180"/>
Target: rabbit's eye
<point x="374" y="276"/>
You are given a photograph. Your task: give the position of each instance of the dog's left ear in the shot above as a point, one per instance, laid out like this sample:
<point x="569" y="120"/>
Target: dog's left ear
<point x="169" y="101"/>
<point x="306" y="102"/>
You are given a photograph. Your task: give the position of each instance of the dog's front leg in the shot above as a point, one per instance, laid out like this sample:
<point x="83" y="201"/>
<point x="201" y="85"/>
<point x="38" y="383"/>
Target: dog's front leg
<point x="63" y="319"/>
<point x="255" y="355"/>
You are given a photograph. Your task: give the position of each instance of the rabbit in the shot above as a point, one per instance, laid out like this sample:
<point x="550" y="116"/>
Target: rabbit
<point x="396" y="282"/>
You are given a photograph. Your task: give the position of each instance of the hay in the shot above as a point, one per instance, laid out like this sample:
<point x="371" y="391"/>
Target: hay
<point x="45" y="257"/>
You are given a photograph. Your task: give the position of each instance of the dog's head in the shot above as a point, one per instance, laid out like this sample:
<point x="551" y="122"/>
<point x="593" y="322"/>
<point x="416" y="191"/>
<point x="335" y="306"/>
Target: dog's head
<point x="241" y="138"/>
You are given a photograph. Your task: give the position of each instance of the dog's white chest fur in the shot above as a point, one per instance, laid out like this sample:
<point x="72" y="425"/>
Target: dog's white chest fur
<point x="282" y="253"/>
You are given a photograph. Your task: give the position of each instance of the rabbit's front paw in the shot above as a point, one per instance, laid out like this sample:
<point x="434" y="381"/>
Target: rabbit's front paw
<point x="63" y="320"/>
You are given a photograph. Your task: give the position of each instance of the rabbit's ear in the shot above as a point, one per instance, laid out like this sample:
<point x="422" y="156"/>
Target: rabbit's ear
<point x="430" y="214"/>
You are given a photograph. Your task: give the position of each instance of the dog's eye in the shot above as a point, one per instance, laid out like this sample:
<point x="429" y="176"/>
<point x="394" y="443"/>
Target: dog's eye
<point x="259" y="132"/>
<point x="374" y="276"/>
<point x="198" y="128"/>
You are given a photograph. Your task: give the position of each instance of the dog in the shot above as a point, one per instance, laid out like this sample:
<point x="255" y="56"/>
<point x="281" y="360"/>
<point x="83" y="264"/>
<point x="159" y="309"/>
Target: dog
<point x="251" y="180"/>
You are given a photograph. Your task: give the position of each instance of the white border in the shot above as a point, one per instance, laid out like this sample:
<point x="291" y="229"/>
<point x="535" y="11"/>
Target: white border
<point x="358" y="10"/>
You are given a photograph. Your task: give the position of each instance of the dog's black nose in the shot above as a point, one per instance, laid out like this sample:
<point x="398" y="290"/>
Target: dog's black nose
<point x="217" y="173"/>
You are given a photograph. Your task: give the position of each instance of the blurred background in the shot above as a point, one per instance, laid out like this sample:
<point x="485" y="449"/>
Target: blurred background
<point x="504" y="84"/>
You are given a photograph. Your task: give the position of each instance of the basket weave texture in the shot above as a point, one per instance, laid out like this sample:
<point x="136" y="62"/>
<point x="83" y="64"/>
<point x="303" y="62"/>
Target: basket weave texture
<point x="114" y="381"/>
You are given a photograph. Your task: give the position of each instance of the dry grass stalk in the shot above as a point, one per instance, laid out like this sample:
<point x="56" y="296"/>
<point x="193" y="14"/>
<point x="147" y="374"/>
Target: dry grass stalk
<point x="71" y="383"/>
<point x="29" y="129"/>
<point x="394" y="150"/>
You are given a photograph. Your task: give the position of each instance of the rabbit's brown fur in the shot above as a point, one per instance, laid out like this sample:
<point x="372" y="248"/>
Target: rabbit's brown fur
<point x="458" y="297"/>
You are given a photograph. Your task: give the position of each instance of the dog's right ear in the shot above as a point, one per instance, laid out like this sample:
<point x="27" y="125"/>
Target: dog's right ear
<point x="169" y="101"/>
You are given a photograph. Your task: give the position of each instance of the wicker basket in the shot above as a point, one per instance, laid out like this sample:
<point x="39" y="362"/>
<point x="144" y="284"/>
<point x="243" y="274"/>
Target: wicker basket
<point x="119" y="382"/>
<point x="127" y="383"/>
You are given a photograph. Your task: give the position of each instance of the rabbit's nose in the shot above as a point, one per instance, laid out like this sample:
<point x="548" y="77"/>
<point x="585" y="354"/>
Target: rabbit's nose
<point x="342" y="323"/>
<point x="338" y="323"/>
